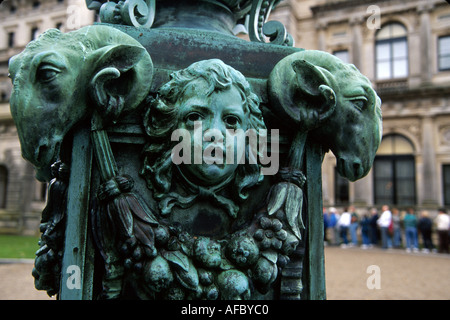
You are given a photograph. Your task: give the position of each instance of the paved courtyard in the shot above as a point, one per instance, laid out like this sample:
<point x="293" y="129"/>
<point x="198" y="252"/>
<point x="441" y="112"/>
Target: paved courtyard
<point x="402" y="275"/>
<point x="392" y="274"/>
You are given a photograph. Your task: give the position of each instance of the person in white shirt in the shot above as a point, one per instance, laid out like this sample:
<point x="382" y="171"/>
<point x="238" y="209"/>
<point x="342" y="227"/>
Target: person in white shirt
<point x="383" y="222"/>
<point x="442" y="222"/>
<point x="343" y="224"/>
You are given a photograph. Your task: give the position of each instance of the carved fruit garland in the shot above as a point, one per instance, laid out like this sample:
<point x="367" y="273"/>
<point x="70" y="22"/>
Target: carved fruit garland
<point x="172" y="263"/>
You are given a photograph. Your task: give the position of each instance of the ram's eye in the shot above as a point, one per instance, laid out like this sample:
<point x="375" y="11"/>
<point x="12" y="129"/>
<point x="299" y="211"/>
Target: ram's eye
<point x="360" y="104"/>
<point x="231" y="120"/>
<point x="46" y="73"/>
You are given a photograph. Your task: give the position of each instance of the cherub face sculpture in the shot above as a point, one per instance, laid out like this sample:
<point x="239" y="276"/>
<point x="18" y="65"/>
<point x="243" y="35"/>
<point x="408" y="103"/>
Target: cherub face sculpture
<point x="203" y="101"/>
<point x="215" y="115"/>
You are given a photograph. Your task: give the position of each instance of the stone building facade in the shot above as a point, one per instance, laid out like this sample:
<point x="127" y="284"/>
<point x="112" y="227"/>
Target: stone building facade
<point x="402" y="46"/>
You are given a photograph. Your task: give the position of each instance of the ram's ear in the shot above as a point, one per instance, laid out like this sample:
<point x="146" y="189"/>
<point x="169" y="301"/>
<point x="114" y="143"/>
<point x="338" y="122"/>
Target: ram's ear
<point x="121" y="78"/>
<point x="313" y="85"/>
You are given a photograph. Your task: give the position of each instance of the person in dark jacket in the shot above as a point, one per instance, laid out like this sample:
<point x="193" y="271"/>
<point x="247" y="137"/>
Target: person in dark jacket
<point x="365" y="231"/>
<point x="425" y="229"/>
<point x="374" y="232"/>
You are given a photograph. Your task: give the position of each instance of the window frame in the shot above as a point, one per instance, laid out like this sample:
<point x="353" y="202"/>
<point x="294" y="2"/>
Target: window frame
<point x="445" y="185"/>
<point x="439" y="53"/>
<point x="393" y="160"/>
<point x="342" y="51"/>
<point x="341" y="182"/>
<point x="391" y="41"/>
<point x="11" y="39"/>
<point x="4" y="177"/>
<point x="35" y="4"/>
<point x="394" y="156"/>
<point x="34" y="32"/>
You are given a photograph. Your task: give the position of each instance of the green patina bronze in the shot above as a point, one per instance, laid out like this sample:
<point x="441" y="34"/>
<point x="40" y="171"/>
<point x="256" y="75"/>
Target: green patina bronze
<point x="60" y="79"/>
<point x="135" y="123"/>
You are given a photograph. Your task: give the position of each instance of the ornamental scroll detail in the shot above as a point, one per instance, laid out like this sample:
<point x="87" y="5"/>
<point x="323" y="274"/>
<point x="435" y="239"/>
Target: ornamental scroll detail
<point x="137" y="13"/>
<point x="141" y="14"/>
<point x="260" y="28"/>
<point x="149" y="239"/>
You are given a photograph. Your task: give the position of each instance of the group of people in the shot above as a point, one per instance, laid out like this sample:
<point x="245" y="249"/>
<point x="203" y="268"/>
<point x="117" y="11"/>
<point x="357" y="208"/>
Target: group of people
<point x="390" y="229"/>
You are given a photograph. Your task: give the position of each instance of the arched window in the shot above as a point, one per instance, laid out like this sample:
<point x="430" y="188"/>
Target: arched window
<point x="394" y="172"/>
<point x="391" y="52"/>
<point x="3" y="186"/>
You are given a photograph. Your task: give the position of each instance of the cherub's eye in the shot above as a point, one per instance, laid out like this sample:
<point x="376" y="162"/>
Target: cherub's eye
<point x="231" y="120"/>
<point x="46" y="73"/>
<point x="360" y="104"/>
<point x="194" y="116"/>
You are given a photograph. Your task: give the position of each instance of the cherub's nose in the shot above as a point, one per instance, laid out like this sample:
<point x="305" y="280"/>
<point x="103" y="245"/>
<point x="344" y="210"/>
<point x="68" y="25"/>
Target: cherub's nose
<point x="216" y="124"/>
<point x="213" y="135"/>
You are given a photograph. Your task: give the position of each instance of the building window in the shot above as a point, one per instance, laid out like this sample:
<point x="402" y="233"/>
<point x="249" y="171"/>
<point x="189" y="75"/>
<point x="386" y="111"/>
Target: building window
<point x="40" y="193"/>
<point x="446" y="183"/>
<point x="341" y="186"/>
<point x="394" y="172"/>
<point x="391" y="52"/>
<point x="343" y="55"/>
<point x="43" y="194"/>
<point x="34" y="33"/>
<point x="36" y="4"/>
<point x="10" y="39"/>
<point x="444" y="53"/>
<point x="3" y="186"/>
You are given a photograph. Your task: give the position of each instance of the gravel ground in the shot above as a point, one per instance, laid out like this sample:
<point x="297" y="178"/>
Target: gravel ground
<point x="401" y="276"/>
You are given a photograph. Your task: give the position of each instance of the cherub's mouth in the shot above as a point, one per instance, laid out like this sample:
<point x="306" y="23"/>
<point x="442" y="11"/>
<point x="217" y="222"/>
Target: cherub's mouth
<point x="214" y="152"/>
